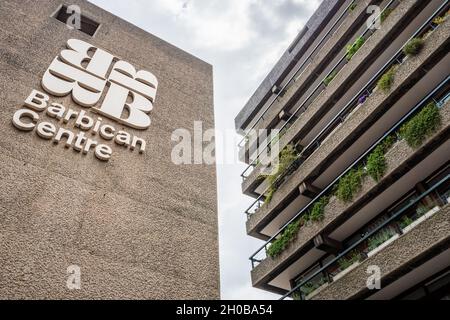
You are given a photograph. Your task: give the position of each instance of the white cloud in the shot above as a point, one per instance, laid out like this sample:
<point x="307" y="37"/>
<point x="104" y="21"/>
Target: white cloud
<point x="243" y="39"/>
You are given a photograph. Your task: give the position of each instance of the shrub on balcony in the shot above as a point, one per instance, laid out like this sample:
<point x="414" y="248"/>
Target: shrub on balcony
<point x="380" y="238"/>
<point x="386" y="80"/>
<point x="386" y="13"/>
<point x="376" y="163"/>
<point x="310" y="287"/>
<point x="422" y="125"/>
<point x="330" y="78"/>
<point x="353" y="6"/>
<point x="288" y="235"/>
<point x="406" y="221"/>
<point x="287" y="156"/>
<point x="350" y="184"/>
<point x="389" y="142"/>
<point x="439" y="20"/>
<point x="348" y="261"/>
<point x="318" y="211"/>
<point x="413" y="47"/>
<point x="353" y="48"/>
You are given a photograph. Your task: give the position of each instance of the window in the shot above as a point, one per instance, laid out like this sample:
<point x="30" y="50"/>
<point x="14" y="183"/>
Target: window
<point x="87" y="25"/>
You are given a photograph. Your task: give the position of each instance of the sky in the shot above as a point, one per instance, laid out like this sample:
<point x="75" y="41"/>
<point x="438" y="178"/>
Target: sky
<point x="242" y="39"/>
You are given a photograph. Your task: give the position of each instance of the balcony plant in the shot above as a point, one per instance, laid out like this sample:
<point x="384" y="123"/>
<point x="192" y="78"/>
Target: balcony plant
<point x="318" y="211"/>
<point x="421" y="126"/>
<point x="347" y="264"/>
<point x="406" y="222"/>
<point x="439" y="20"/>
<point x="287" y="156"/>
<point x="311" y="289"/>
<point x="386" y="80"/>
<point x="386" y="13"/>
<point x="381" y="240"/>
<point x="350" y="184"/>
<point x="422" y="213"/>
<point x="376" y="163"/>
<point x="413" y="47"/>
<point x="353" y="48"/>
<point x="330" y="78"/>
<point x="353" y="6"/>
<point x="289" y="235"/>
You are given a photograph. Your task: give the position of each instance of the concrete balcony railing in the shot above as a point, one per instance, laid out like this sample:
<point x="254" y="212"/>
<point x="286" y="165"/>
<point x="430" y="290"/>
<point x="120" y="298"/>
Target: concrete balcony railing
<point x="398" y="159"/>
<point x="374" y="45"/>
<point x="406" y="75"/>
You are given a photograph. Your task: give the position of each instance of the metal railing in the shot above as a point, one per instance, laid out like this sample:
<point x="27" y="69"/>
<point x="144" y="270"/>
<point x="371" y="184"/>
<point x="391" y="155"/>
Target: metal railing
<point x="367" y="90"/>
<point x="389" y="221"/>
<point x="320" y="85"/>
<point x="429" y="97"/>
<point x="296" y="74"/>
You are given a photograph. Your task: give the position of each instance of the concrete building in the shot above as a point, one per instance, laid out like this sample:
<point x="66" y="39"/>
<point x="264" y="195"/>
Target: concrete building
<point x="357" y="204"/>
<point x="91" y="204"/>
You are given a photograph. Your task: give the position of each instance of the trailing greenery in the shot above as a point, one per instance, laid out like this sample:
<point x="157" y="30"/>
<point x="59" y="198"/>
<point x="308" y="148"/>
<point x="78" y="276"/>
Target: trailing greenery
<point x="413" y="47"/>
<point x="350" y="184"/>
<point x="421" y="126"/>
<point x="386" y="80"/>
<point x="380" y="238"/>
<point x="353" y="48"/>
<point x="353" y="6"/>
<point x="287" y="156"/>
<point x="376" y="163"/>
<point x="406" y="221"/>
<point x="289" y="235"/>
<point x="330" y="78"/>
<point x="348" y="261"/>
<point x="386" y="12"/>
<point x="296" y="296"/>
<point x="318" y="211"/>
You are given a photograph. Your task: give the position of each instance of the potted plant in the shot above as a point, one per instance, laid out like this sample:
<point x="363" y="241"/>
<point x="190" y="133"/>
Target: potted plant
<point x="423" y="213"/>
<point x="381" y="240"/>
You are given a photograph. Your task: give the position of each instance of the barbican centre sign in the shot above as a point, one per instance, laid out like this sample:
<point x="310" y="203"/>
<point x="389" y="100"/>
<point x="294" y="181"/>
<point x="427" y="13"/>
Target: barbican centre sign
<point x="92" y="77"/>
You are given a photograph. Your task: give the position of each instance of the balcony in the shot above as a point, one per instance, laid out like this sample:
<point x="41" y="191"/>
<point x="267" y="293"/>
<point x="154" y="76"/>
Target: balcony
<point x="346" y="143"/>
<point x="405" y="167"/>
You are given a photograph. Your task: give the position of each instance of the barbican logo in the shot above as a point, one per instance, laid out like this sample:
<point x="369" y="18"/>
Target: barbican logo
<point x="88" y="73"/>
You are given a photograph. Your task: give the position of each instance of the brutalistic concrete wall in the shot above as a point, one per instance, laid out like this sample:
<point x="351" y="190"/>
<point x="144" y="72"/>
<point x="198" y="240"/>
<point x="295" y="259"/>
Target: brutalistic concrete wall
<point x="138" y="226"/>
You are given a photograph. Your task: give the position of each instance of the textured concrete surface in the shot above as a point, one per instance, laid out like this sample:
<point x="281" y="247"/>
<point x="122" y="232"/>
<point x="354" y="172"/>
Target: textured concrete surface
<point x="399" y="154"/>
<point x="428" y="234"/>
<point x="355" y="123"/>
<point x="370" y="48"/>
<point x="138" y="226"/>
<point x="284" y="65"/>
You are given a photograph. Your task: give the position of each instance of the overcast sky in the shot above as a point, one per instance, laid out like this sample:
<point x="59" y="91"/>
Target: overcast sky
<point x="242" y="39"/>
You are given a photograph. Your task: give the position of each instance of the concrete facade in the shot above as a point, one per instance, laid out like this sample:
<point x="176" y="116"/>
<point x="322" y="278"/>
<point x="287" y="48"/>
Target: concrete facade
<point x="138" y="226"/>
